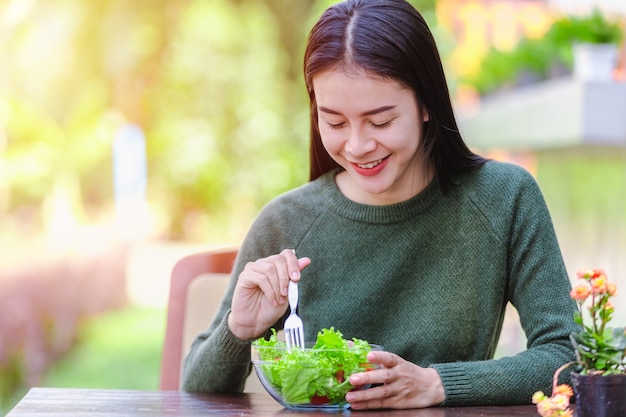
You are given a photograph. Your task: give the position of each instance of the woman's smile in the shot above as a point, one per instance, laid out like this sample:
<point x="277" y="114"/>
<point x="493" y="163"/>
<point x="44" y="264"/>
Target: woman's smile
<point x="370" y="168"/>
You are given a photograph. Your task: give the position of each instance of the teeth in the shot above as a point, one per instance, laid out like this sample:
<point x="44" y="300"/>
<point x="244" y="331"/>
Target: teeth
<point x="370" y="165"/>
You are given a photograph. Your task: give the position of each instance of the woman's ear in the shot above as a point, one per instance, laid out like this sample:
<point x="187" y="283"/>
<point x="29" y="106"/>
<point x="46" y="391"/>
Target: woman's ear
<point x="426" y="116"/>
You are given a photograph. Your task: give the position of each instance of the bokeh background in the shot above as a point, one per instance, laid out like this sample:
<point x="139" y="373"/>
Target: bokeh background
<point x="134" y="133"/>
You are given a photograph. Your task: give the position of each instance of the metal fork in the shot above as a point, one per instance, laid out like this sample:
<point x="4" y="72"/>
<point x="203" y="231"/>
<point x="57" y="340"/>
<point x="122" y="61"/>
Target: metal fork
<point x="294" y="328"/>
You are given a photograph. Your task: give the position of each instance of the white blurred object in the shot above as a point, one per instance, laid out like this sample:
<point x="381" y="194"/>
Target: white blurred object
<point x="585" y="6"/>
<point x="595" y="62"/>
<point x="130" y="182"/>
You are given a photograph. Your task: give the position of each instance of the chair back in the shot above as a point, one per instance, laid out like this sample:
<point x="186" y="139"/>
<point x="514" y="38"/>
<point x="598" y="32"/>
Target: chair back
<point x="197" y="286"/>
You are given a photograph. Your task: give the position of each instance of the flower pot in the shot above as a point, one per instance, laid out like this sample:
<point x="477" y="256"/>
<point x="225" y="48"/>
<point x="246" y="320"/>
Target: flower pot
<point x="600" y="396"/>
<point x="595" y="62"/>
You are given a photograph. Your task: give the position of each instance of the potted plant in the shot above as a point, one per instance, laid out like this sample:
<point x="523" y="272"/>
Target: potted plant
<point x="595" y="41"/>
<point x="568" y="47"/>
<point x="599" y="381"/>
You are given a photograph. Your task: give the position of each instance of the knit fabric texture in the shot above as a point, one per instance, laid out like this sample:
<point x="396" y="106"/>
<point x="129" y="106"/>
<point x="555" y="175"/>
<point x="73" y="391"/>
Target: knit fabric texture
<point x="428" y="279"/>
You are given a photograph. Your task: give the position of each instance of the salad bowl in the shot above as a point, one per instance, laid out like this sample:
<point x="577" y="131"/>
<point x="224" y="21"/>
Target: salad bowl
<point x="313" y="378"/>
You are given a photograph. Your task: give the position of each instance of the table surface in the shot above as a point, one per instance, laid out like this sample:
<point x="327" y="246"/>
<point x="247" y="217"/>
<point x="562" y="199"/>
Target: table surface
<point x="109" y="402"/>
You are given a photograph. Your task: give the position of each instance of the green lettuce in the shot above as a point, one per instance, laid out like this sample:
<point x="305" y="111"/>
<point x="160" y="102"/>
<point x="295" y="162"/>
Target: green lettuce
<point x="316" y="375"/>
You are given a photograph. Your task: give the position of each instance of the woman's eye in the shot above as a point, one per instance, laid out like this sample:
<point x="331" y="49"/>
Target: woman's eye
<point x="336" y="125"/>
<point x="380" y="125"/>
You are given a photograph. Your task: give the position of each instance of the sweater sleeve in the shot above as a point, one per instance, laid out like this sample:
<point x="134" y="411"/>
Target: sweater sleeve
<point x="538" y="287"/>
<point x="217" y="360"/>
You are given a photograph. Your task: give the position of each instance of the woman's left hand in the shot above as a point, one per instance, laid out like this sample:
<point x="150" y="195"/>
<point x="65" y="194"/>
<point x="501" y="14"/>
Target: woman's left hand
<point x="404" y="384"/>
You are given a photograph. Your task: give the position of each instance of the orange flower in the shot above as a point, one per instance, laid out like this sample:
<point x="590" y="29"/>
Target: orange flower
<point x="555" y="406"/>
<point x="560" y="401"/>
<point x="599" y="285"/>
<point x="580" y="292"/>
<point x="538" y="397"/>
<point x="590" y="273"/>
<point x="563" y="389"/>
<point x="611" y="288"/>
<point x="545" y="408"/>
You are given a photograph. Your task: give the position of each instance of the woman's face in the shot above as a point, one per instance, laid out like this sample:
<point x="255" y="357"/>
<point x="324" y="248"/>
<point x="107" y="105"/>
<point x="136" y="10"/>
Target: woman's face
<point x="372" y="128"/>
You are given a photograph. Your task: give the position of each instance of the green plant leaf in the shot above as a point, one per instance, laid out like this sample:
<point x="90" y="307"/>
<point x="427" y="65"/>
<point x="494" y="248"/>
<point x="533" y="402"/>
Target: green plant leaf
<point x="578" y="318"/>
<point x="619" y="338"/>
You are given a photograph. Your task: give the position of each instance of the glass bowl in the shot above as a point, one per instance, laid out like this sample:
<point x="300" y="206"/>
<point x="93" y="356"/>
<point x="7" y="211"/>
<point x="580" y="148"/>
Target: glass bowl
<point x="310" y="378"/>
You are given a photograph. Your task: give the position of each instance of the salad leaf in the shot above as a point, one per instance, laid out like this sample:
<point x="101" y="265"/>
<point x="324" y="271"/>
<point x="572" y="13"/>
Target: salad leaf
<point x="321" y="372"/>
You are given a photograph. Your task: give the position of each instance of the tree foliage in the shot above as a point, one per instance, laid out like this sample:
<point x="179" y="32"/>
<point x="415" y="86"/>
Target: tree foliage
<point x="216" y="86"/>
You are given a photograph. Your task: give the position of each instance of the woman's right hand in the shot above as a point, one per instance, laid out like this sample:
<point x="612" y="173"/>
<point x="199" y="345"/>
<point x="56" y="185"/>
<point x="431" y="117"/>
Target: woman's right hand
<point x="260" y="297"/>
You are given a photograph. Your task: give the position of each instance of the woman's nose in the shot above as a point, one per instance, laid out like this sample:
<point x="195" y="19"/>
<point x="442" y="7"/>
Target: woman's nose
<point x="359" y="143"/>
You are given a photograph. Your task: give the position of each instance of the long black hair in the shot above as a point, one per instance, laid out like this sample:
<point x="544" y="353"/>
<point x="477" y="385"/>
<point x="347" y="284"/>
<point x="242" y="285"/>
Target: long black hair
<point x="391" y="40"/>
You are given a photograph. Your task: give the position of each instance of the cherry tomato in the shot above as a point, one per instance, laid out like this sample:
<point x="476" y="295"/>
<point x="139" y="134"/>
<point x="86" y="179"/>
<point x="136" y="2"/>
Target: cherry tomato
<point x="320" y="399"/>
<point x="340" y="376"/>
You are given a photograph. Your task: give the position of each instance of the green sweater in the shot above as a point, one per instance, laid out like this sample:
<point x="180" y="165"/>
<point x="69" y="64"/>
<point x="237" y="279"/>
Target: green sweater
<point x="428" y="278"/>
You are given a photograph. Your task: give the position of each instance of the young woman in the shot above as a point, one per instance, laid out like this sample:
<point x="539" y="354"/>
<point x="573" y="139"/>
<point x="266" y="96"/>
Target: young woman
<point x="409" y="239"/>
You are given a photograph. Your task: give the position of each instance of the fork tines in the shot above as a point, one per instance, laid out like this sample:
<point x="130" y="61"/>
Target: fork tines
<point x="294" y="328"/>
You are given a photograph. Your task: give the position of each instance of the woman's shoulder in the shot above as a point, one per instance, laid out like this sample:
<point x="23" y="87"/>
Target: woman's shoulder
<point x="500" y="181"/>
<point x="501" y="174"/>
<point x="504" y="170"/>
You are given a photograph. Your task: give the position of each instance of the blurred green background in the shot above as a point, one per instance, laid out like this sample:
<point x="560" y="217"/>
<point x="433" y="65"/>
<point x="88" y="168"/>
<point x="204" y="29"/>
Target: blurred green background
<point x="216" y="89"/>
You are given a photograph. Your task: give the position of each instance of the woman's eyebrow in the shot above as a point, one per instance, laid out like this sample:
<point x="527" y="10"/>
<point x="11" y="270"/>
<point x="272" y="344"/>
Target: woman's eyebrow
<point x="377" y="110"/>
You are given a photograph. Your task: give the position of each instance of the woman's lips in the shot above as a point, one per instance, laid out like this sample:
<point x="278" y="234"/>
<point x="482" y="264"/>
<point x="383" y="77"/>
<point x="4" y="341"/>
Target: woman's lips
<point x="371" y="168"/>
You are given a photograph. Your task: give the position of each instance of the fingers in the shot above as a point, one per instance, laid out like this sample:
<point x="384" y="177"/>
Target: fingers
<point x="293" y="267"/>
<point x="260" y="296"/>
<point x="381" y="375"/>
<point x="272" y="274"/>
<point x="303" y="263"/>
<point x="272" y="277"/>
<point x="397" y="384"/>
<point x="383" y="358"/>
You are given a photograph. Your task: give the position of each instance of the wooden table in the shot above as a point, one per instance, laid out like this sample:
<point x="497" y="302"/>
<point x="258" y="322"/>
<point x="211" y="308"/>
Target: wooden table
<point x="106" y="402"/>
